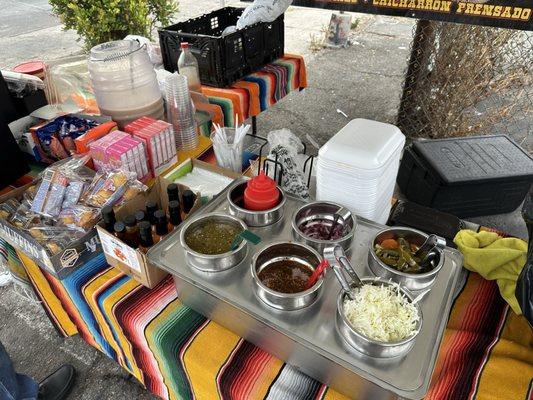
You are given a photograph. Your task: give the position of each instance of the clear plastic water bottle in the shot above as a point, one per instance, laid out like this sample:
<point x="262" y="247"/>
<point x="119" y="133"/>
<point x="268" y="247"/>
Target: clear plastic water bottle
<point x="188" y="66"/>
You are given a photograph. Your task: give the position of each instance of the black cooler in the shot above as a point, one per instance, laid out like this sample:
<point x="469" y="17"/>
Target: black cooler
<point x="466" y="177"/>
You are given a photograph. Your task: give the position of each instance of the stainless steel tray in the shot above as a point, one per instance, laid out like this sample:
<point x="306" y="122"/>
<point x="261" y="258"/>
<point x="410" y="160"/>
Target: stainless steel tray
<point x="307" y="339"/>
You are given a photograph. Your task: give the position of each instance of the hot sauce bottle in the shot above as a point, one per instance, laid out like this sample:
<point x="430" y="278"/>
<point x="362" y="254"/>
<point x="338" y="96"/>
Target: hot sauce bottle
<point x="132" y="231"/>
<point x="119" y="230"/>
<point x="188" y="202"/>
<point x="151" y="208"/>
<point x="108" y="216"/>
<point x="173" y="192"/>
<point x="174" y="214"/>
<point x="161" y="225"/>
<point x="145" y="234"/>
<point x="140" y="216"/>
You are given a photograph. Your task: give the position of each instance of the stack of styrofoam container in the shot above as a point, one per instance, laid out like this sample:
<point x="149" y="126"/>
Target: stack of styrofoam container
<point x="358" y="166"/>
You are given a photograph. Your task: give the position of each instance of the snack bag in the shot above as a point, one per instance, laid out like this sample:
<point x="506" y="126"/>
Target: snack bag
<point x="79" y="217"/>
<point x="108" y="188"/>
<point x="55" y="238"/>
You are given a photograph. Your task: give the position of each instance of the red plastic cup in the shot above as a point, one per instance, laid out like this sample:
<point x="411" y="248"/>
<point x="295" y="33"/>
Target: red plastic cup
<point x="261" y="193"/>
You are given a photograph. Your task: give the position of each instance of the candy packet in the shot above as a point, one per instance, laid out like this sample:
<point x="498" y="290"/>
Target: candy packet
<point x="55" y="238"/>
<point x="109" y="188"/>
<point x="79" y="217"/>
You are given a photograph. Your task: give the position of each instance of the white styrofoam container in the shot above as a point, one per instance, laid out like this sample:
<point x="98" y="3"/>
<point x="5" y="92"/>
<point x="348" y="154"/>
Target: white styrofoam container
<point x="358" y="167"/>
<point x="364" y="144"/>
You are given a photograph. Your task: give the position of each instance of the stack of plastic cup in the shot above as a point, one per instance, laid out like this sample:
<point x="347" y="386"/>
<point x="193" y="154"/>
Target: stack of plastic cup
<point x="180" y="112"/>
<point x="124" y="82"/>
<point x="358" y="167"/>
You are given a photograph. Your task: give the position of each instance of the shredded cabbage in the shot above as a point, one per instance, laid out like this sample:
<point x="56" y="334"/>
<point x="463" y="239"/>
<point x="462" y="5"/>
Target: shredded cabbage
<point x="381" y="313"/>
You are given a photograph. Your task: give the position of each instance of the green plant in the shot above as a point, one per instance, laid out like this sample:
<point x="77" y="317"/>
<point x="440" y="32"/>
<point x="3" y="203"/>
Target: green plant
<point x="98" y="21"/>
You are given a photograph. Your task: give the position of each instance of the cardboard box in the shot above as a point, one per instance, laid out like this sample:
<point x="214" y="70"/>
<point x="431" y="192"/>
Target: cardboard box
<point x="82" y="142"/>
<point x="129" y="260"/>
<point x="59" y="265"/>
<point x="187" y="166"/>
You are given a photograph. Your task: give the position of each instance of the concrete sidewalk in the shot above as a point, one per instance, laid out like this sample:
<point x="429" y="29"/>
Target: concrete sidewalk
<point x="29" y="30"/>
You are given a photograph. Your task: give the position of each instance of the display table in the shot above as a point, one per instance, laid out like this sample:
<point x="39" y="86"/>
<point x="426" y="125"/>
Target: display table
<point x="177" y="353"/>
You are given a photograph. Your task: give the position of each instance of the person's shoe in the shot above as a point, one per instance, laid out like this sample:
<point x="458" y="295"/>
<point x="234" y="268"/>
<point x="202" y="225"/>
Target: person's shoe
<point x="57" y="385"/>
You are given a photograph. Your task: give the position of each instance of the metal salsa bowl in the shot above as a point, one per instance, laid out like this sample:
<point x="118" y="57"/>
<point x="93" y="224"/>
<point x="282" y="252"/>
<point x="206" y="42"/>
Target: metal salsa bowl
<point x="235" y="197"/>
<point x="213" y="262"/>
<point x="279" y="251"/>
<point x="369" y="346"/>
<point x="410" y="281"/>
<point x="323" y="210"/>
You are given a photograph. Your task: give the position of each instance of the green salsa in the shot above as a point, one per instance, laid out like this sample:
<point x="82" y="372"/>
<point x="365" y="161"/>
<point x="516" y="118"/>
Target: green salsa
<point x="212" y="237"/>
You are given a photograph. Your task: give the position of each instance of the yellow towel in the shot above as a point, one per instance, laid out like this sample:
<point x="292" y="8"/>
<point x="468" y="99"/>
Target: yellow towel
<point x="494" y="258"/>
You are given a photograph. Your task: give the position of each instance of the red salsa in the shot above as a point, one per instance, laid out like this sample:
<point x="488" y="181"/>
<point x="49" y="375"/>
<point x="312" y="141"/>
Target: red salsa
<point x="285" y="276"/>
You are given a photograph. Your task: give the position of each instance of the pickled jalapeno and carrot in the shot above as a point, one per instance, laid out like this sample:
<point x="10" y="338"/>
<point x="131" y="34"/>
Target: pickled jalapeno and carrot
<point x="400" y="254"/>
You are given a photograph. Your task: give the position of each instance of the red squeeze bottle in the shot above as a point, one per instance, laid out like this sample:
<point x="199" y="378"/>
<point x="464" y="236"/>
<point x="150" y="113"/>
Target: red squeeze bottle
<point x="261" y="193"/>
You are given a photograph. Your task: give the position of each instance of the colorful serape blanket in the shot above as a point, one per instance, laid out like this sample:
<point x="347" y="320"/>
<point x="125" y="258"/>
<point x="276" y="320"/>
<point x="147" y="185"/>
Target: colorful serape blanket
<point x="176" y="353"/>
<point x="260" y="90"/>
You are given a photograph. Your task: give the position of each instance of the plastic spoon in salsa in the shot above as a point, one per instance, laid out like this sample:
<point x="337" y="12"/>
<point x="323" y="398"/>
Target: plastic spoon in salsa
<point x="316" y="274"/>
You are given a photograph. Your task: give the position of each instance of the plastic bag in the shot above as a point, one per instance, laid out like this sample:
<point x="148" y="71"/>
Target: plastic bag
<point x="284" y="137"/>
<point x="51" y="194"/>
<point x="110" y="188"/>
<point x="9" y="208"/>
<point x="22" y="85"/>
<point x="207" y="183"/>
<point x="23" y="217"/>
<point x="285" y="146"/>
<point x="55" y="238"/>
<point x="262" y="11"/>
<point x="153" y="49"/>
<point x="67" y="80"/>
<point x="79" y="217"/>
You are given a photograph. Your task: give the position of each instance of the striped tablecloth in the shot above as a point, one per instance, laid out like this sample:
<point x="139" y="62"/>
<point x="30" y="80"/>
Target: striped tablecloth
<point x="257" y="92"/>
<point x="177" y="353"/>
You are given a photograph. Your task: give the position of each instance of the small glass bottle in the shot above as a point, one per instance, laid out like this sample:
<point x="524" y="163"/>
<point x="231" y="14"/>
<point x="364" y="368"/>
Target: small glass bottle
<point x="188" y="201"/>
<point x="174" y="214"/>
<point x="146" y="238"/>
<point x="109" y="218"/>
<point x="140" y="216"/>
<point x="151" y="208"/>
<point x="173" y="192"/>
<point x="161" y="225"/>
<point x="119" y="230"/>
<point x="132" y="231"/>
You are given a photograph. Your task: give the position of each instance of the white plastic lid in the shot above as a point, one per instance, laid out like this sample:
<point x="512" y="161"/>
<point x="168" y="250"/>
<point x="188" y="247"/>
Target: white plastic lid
<point x="364" y="144"/>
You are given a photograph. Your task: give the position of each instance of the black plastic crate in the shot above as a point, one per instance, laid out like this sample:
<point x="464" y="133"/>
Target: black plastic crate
<point x="466" y="177"/>
<point x="223" y="59"/>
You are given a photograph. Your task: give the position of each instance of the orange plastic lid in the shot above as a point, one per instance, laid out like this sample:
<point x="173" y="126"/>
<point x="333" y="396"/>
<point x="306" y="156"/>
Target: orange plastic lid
<point x="30" y="67"/>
